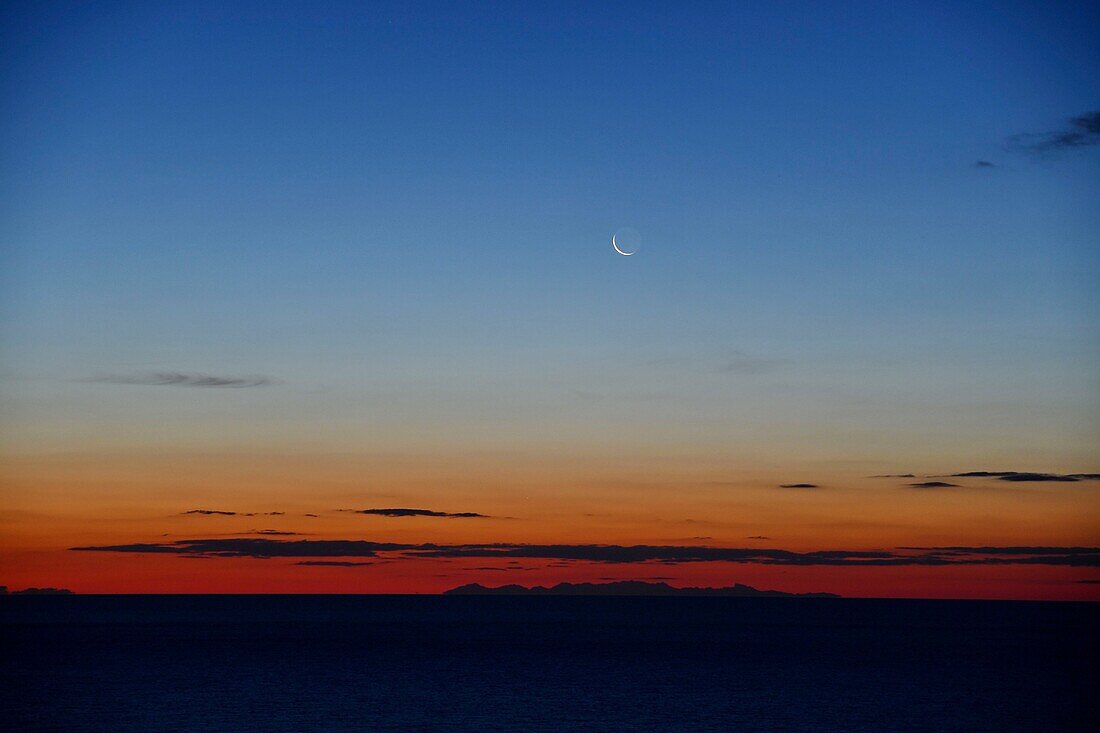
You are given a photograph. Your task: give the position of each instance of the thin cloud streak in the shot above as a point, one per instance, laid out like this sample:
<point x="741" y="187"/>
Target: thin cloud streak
<point x="1080" y="132"/>
<point x="182" y="379"/>
<point x="225" y="513"/>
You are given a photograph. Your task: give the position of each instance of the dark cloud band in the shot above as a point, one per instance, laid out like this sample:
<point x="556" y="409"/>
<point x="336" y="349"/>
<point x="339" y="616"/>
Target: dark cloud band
<point x="1025" y="476"/>
<point x="669" y="554"/>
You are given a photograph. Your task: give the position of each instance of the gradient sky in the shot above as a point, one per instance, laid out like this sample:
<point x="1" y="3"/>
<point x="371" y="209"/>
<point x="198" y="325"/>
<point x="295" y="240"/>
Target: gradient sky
<point x="387" y="229"/>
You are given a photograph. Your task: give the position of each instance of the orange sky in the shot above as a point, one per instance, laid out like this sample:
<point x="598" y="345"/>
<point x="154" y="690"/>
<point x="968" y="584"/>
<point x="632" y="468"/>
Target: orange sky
<point x="54" y="502"/>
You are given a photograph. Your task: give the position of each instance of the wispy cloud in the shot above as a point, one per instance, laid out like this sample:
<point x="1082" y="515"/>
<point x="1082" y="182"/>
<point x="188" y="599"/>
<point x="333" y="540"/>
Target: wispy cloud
<point x="1079" y="132"/>
<point x="934" y="485"/>
<point x="734" y="361"/>
<point x="799" y="486"/>
<point x="182" y="379"/>
<point x="744" y="363"/>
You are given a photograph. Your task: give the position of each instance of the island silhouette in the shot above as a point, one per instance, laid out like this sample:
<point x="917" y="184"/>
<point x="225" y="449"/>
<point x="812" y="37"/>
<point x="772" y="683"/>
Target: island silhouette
<point x="626" y="588"/>
<point x="35" y="591"/>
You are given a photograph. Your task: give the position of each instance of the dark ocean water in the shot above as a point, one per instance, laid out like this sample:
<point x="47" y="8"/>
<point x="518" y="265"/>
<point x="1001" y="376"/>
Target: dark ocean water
<point x="432" y="663"/>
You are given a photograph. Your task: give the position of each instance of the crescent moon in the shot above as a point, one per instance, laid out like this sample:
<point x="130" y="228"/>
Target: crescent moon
<point x="624" y="254"/>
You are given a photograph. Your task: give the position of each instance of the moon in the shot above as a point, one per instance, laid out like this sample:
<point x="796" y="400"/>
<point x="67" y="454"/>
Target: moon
<point x="624" y="254"/>
<point x="629" y="247"/>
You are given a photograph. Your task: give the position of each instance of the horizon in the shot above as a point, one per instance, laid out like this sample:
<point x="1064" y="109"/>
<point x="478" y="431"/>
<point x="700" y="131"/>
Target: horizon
<point x="536" y="591"/>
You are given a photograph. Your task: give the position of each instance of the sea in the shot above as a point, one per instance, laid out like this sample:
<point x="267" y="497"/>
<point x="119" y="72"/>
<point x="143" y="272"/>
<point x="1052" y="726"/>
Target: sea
<point x="468" y="663"/>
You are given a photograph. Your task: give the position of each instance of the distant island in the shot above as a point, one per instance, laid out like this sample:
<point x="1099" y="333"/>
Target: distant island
<point x="35" y="591"/>
<point x="626" y="588"/>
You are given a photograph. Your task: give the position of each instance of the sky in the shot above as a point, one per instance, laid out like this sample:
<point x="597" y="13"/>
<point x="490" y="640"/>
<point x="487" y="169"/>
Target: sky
<point x="292" y="261"/>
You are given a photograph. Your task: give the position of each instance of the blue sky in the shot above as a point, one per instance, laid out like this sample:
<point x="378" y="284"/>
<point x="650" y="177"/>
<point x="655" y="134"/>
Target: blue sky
<point x="403" y="213"/>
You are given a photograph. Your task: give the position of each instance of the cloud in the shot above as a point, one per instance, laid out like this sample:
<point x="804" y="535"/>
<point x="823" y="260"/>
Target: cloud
<point x="1024" y="476"/>
<point x="1019" y="555"/>
<point x="895" y="475"/>
<point x="417" y="513"/>
<point x="505" y="568"/>
<point x="273" y="532"/>
<point x="1035" y="477"/>
<point x="651" y="553"/>
<point x="758" y="537"/>
<point x="799" y="486"/>
<point x="983" y="474"/>
<point x="733" y="361"/>
<point x="258" y="547"/>
<point x="662" y="554"/>
<point x="1080" y="132"/>
<point x="1009" y="550"/>
<point x="181" y="379"/>
<point x="222" y="513"/>
<point x="984" y="164"/>
<point x="933" y="485"/>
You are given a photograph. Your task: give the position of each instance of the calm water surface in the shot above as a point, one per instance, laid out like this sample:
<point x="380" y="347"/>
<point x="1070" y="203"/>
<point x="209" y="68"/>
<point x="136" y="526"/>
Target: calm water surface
<point x="427" y="663"/>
